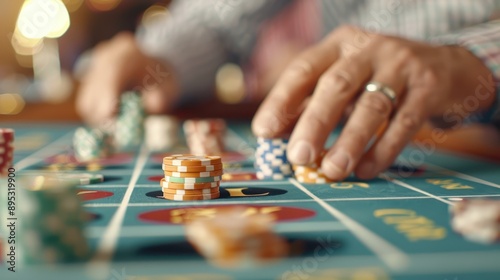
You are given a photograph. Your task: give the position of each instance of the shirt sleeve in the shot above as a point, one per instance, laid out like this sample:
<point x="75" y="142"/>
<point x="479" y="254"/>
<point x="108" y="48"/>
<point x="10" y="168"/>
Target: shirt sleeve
<point x="483" y="41"/>
<point x="197" y="37"/>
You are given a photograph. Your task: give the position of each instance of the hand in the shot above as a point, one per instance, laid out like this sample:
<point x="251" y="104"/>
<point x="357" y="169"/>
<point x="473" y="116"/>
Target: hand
<point x="119" y="65"/>
<point x="428" y="81"/>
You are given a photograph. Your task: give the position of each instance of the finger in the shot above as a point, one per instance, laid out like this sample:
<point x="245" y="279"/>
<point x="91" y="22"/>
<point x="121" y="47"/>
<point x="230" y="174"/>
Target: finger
<point x="335" y="90"/>
<point x="282" y="105"/>
<point x="160" y="91"/>
<point x="408" y="119"/>
<point x="371" y="110"/>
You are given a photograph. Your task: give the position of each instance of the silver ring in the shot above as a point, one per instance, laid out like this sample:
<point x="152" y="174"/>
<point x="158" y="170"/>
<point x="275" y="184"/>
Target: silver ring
<point x="385" y="90"/>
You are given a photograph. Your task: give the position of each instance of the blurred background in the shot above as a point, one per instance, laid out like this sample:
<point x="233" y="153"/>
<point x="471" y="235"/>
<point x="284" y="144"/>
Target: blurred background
<point x="42" y="43"/>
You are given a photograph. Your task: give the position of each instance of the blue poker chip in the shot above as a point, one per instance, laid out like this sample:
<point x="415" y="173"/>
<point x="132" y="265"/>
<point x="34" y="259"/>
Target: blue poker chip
<point x="262" y="176"/>
<point x="284" y="169"/>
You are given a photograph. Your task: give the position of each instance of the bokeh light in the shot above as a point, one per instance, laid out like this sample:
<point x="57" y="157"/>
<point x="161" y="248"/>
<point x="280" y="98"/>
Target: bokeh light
<point x="72" y="5"/>
<point x="43" y="18"/>
<point x="11" y="104"/>
<point x="103" y="5"/>
<point x="25" y="46"/>
<point x="230" y="84"/>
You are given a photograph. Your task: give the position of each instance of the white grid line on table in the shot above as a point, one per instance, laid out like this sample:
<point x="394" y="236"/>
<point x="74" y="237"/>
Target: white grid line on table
<point x="387" y="253"/>
<point x="107" y="244"/>
<point x="42" y="153"/>
<point x="463" y="176"/>
<point x="213" y="202"/>
<point x="410" y="187"/>
<point x="178" y="230"/>
<point x="225" y="184"/>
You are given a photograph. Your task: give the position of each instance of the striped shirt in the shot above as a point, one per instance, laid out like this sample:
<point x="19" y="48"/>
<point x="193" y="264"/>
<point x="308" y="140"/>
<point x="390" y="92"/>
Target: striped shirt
<point x="201" y="35"/>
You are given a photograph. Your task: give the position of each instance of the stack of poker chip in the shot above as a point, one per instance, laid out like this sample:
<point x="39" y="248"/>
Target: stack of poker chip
<point x="270" y="159"/>
<point x="161" y="132"/>
<point x="6" y="150"/>
<point x="91" y="144"/>
<point x="129" y="126"/>
<point x="311" y="174"/>
<point x="477" y="219"/>
<point x="232" y="238"/>
<point x="205" y="136"/>
<point x="52" y="221"/>
<point x="191" y="177"/>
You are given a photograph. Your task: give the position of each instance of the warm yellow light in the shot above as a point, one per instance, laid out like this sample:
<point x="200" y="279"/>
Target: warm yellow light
<point x="43" y="18"/>
<point x="73" y="5"/>
<point x="25" y="46"/>
<point x="154" y="13"/>
<point x="230" y="84"/>
<point x="25" y="61"/>
<point x="11" y="104"/>
<point x="103" y="5"/>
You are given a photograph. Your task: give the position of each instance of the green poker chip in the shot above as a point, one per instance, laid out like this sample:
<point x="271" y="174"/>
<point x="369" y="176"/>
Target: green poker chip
<point x="192" y="180"/>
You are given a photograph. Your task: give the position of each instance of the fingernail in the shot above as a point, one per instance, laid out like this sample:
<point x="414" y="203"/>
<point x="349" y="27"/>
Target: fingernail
<point x="300" y="152"/>
<point x="365" y="170"/>
<point x="336" y="165"/>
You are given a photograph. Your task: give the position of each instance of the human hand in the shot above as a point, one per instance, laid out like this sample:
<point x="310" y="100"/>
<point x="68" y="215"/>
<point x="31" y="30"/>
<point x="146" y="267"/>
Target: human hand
<point x="118" y="65"/>
<point x="428" y="81"/>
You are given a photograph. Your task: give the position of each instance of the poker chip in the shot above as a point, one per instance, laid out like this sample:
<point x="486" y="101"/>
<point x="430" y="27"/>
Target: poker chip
<point x="193" y="180"/>
<point x="271" y="161"/>
<point x="205" y="136"/>
<point x="188" y="186"/>
<point x="185" y="184"/>
<point x="193" y="174"/>
<point x="6" y="150"/>
<point x="204" y="168"/>
<point x="192" y="160"/>
<point x="477" y="220"/>
<point x="232" y="238"/>
<point x="191" y="192"/>
<point x="161" y="132"/>
<point x="52" y="222"/>
<point x="129" y="127"/>
<point x="180" y="197"/>
<point x="73" y="178"/>
<point x="312" y="174"/>
<point x="91" y="143"/>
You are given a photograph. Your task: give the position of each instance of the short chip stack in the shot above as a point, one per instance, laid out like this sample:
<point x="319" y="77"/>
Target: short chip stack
<point x="311" y="174"/>
<point x="6" y="150"/>
<point x="91" y="144"/>
<point x="270" y="159"/>
<point x="477" y="219"/>
<point x="205" y="136"/>
<point x="161" y="132"/>
<point x="52" y="221"/>
<point x="191" y="177"/>
<point x="232" y="238"/>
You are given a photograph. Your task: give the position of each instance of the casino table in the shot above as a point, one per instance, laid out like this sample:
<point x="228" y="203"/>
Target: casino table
<point x="396" y="226"/>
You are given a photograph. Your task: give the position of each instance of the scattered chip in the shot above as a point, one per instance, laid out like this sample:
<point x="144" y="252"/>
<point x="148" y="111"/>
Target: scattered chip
<point x="73" y="178"/>
<point x="477" y="219"/>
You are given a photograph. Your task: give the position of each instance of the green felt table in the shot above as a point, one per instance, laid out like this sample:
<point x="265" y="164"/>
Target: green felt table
<point x="394" y="227"/>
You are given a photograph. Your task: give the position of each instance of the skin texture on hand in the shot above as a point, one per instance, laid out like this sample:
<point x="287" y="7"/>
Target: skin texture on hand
<point x="119" y="65"/>
<point x="428" y="80"/>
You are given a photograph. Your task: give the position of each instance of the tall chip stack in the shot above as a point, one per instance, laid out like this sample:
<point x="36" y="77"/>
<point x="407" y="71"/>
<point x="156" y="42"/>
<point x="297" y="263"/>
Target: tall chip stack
<point x="205" y="136"/>
<point x="191" y="177"/>
<point x="271" y="161"/>
<point x="52" y="221"/>
<point x="161" y="132"/>
<point x="6" y="150"/>
<point x="129" y="127"/>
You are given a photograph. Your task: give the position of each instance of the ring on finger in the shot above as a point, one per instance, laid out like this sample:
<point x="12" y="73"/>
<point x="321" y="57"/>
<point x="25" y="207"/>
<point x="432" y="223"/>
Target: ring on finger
<point x="385" y="90"/>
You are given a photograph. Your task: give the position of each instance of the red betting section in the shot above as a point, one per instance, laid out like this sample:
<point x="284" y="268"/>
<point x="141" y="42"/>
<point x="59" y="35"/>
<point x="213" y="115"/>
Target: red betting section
<point x="93" y="195"/>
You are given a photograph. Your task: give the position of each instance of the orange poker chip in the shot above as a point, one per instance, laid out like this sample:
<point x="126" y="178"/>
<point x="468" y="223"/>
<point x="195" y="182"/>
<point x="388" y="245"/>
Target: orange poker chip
<point x="188" y="186"/>
<point x="180" y="197"/>
<point x="194" y="174"/>
<point x="191" y="160"/>
<point x="205" y="168"/>
<point x="191" y="192"/>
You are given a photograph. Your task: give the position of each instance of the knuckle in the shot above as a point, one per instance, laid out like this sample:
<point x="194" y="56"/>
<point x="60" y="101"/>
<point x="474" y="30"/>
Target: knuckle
<point x="300" y="68"/>
<point x="375" y="102"/>
<point x="317" y="119"/>
<point x="409" y="121"/>
<point x="338" y="80"/>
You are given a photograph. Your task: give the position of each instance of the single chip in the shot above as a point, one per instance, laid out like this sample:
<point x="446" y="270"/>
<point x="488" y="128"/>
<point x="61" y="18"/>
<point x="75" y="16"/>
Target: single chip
<point x="194" y="174"/>
<point x="191" y="192"/>
<point x="188" y="186"/>
<point x="192" y="160"/>
<point x="69" y="177"/>
<point x="193" y="180"/>
<point x="204" y="168"/>
<point x="191" y="197"/>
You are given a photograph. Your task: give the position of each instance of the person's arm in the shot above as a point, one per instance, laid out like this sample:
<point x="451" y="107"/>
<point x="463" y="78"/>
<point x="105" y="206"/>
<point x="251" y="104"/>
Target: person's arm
<point x="199" y="36"/>
<point x="484" y="42"/>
